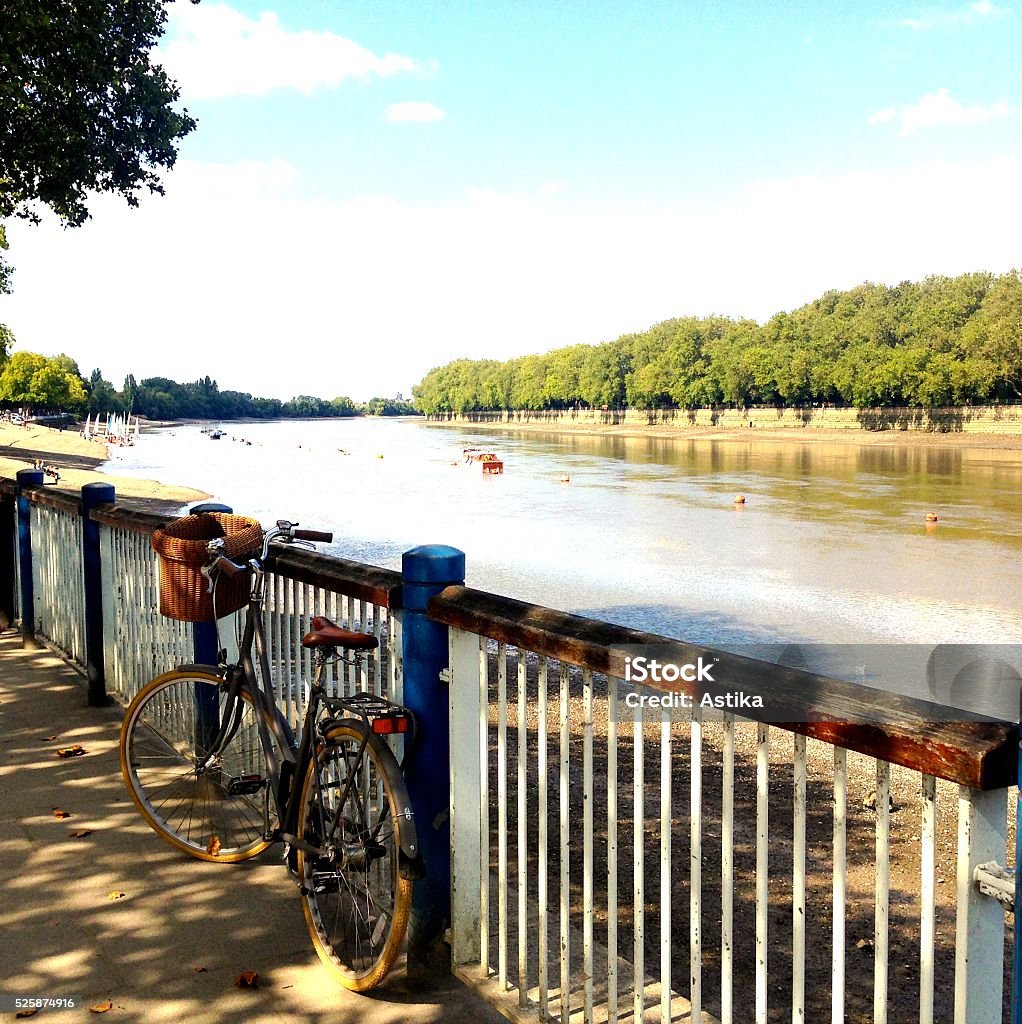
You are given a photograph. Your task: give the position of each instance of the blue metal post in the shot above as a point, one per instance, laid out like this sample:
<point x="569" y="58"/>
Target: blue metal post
<point x="207" y="650"/>
<point x="206" y="644"/>
<point x="27" y="478"/>
<point x="8" y="537"/>
<point x="426" y="571"/>
<point x="1016" y="960"/>
<point x="92" y="495"/>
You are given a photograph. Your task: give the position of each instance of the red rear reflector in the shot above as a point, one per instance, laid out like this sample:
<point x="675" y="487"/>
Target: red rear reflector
<point x="386" y="726"/>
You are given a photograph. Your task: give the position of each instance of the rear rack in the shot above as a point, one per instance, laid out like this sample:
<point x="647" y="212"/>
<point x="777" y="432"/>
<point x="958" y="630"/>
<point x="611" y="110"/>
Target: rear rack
<point x="382" y="716"/>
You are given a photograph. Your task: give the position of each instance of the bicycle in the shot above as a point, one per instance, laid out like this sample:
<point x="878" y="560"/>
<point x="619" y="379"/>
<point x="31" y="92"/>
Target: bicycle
<point x="213" y="766"/>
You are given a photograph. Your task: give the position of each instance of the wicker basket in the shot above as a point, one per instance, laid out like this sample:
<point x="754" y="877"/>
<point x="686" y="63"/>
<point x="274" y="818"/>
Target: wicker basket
<point x="181" y="545"/>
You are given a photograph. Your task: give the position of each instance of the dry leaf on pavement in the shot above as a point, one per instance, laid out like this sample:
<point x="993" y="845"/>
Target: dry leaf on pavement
<point x="26" y="1013"/>
<point x="213" y="846"/>
<point x="116" y="895"/>
<point x="247" y="979"/>
<point x="76" y="751"/>
<point x="81" y="833"/>
<point x="58" y="813"/>
<point x="101" y="1007"/>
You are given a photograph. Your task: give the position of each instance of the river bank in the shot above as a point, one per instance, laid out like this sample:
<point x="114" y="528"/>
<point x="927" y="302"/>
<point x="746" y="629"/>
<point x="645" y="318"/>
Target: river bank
<point x="744" y="434"/>
<point x="77" y="461"/>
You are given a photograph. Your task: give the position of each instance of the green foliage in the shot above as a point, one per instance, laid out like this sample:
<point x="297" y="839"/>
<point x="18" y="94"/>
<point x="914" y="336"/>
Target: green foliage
<point x="102" y="395"/>
<point x="942" y="341"/>
<point x="6" y="270"/>
<point x="42" y="384"/>
<point x="83" y="107"/>
<point x="389" y="407"/>
<point x="6" y="337"/>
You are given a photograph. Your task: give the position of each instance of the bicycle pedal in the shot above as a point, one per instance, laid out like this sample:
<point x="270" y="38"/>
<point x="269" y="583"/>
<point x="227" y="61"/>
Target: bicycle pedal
<point x="245" y="785"/>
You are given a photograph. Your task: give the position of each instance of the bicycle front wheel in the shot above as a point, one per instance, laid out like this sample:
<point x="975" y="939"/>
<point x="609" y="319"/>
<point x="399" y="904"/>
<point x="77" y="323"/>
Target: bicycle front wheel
<point x="355" y="901"/>
<point x="209" y="807"/>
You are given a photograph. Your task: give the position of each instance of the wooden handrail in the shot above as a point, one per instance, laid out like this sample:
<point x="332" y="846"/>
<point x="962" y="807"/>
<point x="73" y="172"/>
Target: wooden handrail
<point x="974" y="751"/>
<point x="63" y="500"/>
<point x="129" y="519"/>
<point x="365" y="582"/>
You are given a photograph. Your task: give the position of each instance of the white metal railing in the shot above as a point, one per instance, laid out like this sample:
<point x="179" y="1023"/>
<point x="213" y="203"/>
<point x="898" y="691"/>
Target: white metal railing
<point x="756" y="886"/>
<point x="288" y="611"/>
<point x="58" y="582"/>
<point x="139" y="643"/>
<point x="720" y="869"/>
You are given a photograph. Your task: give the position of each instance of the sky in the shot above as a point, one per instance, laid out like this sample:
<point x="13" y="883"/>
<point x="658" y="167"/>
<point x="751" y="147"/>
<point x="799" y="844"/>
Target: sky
<point x="377" y="187"/>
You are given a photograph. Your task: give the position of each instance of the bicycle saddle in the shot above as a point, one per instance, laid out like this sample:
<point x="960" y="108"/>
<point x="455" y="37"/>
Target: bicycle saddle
<point x="327" y="634"/>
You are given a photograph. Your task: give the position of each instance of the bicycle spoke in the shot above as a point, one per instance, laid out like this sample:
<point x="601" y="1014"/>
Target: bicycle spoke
<point x="357" y="904"/>
<point x="188" y="799"/>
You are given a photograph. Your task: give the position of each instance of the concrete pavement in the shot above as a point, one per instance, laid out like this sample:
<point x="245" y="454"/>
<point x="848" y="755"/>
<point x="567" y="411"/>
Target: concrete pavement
<point x="171" y="947"/>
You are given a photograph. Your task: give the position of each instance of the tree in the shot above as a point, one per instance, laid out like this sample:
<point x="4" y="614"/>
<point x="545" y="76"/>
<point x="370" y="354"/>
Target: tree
<point x="129" y="391"/>
<point x="102" y="396"/>
<point x="6" y="337"/>
<point x="82" y="105"/>
<point x="33" y="380"/>
<point x="5" y="268"/>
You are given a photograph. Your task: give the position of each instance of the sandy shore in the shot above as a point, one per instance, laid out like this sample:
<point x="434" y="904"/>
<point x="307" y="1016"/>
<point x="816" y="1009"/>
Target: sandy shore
<point x="77" y="460"/>
<point x="753" y="435"/>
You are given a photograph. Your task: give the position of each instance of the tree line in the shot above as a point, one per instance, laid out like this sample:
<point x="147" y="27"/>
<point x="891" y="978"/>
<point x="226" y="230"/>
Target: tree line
<point x="942" y="341"/>
<point x="51" y="384"/>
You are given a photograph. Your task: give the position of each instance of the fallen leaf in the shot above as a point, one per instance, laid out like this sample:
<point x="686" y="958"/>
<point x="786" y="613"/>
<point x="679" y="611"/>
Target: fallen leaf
<point x="26" y="1013"/>
<point x="116" y="895"/>
<point x="50" y="739"/>
<point x="76" y="751"/>
<point x="247" y="979"/>
<point x="101" y="1007"/>
<point x="213" y="846"/>
<point x="199" y="970"/>
<point x="81" y="833"/>
<point x="58" y="813"/>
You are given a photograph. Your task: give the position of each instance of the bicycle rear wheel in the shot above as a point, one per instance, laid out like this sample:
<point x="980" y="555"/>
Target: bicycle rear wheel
<point x="355" y="901"/>
<point x="213" y="811"/>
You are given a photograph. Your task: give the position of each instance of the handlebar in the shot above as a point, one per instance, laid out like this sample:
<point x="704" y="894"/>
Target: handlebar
<point x="312" y="535"/>
<point x="285" y="532"/>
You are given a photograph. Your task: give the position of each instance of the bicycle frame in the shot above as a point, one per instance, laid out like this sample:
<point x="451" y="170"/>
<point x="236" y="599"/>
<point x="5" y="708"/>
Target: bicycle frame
<point x="283" y="754"/>
<point x="286" y="760"/>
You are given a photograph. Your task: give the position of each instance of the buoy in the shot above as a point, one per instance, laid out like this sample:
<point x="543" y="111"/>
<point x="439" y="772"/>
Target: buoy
<point x="739" y="499"/>
<point x="931" y="517"/>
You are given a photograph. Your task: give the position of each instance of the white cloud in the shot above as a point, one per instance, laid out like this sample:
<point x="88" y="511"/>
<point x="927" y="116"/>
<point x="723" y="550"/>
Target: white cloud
<point x="413" y="111"/>
<point x="363" y="297"/>
<point x="884" y="116"/>
<point x="939" y="108"/>
<point x="552" y="188"/>
<point x="214" y="51"/>
<point x="931" y="18"/>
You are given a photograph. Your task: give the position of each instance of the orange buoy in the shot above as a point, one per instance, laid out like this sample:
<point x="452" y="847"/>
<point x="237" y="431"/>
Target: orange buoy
<point x="739" y="499"/>
<point x="931" y="517"/>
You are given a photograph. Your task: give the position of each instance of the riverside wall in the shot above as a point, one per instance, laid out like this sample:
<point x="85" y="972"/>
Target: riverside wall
<point x="993" y="419"/>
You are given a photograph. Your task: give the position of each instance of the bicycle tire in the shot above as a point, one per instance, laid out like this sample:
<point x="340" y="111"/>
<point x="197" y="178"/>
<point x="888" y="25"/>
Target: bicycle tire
<point x="356" y="903"/>
<point x="202" y="814"/>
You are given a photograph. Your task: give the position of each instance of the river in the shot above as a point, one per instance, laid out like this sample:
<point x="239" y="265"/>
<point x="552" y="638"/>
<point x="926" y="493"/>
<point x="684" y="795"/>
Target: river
<point x="831" y="546"/>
